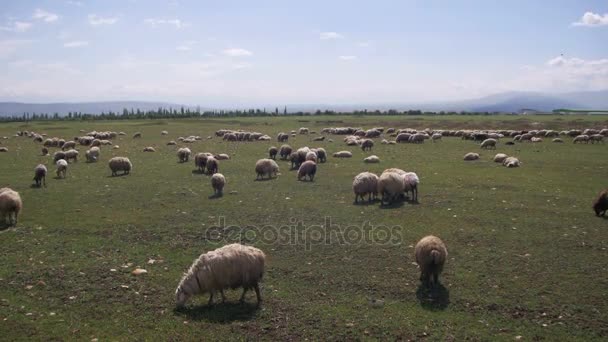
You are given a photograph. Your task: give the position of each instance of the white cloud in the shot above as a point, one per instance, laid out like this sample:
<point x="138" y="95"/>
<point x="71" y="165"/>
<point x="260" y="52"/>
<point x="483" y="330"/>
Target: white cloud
<point x="76" y="43"/>
<point x="186" y="46"/>
<point x="347" y="58"/>
<point x="96" y="20"/>
<point x="364" y="44"/>
<point x="74" y="3"/>
<point x="242" y="66"/>
<point x="45" y="16"/>
<point x="8" y="47"/>
<point x="330" y="35"/>
<point x="237" y="52"/>
<point x="175" y="22"/>
<point x="592" y="19"/>
<point x="17" y="26"/>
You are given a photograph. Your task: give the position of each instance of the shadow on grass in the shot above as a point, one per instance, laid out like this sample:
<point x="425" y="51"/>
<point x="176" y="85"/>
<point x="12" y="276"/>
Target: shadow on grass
<point x="394" y="205"/>
<point x="198" y="172"/>
<point x="34" y="186"/>
<point x="4" y="226"/>
<point x="366" y="202"/>
<point x="220" y="313"/>
<point x="216" y="195"/>
<point x="118" y="175"/>
<point x="264" y="179"/>
<point x="435" y="298"/>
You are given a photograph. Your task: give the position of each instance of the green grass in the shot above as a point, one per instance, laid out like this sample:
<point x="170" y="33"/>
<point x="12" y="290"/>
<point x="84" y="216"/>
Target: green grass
<point x="526" y="252"/>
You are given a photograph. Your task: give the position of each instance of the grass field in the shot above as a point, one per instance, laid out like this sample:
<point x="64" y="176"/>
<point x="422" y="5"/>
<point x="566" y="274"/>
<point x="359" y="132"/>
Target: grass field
<point x="526" y="252"/>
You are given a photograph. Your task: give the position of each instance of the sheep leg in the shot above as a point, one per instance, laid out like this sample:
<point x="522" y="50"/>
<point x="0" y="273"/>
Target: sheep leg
<point x="257" y="293"/>
<point x="210" y="302"/>
<point x="242" y="300"/>
<point x="435" y="279"/>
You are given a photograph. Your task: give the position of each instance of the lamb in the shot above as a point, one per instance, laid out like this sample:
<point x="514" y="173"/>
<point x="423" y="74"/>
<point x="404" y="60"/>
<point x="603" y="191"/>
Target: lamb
<point x="471" y="156"/>
<point x="500" y="157"/>
<point x="373" y="159"/>
<point x="212" y="165"/>
<point x="600" y="205"/>
<point x="410" y="184"/>
<point x="231" y="266"/>
<point x="272" y="152"/>
<point x="307" y="169"/>
<point x="149" y="149"/>
<point x="10" y="206"/>
<point x="367" y="144"/>
<point x="343" y="154"/>
<point x="183" y="154"/>
<point x="217" y="182"/>
<point x="62" y="168"/>
<point x="365" y="183"/>
<point x="488" y="143"/>
<point x="120" y="164"/>
<point x="431" y="255"/>
<point x="265" y="167"/>
<point x="92" y="154"/>
<point x="390" y="186"/>
<point x="40" y="175"/>
<point x="511" y="162"/>
<point x="285" y="151"/>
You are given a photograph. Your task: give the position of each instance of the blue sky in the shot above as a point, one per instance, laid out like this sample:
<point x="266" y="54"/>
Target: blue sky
<point x="250" y="52"/>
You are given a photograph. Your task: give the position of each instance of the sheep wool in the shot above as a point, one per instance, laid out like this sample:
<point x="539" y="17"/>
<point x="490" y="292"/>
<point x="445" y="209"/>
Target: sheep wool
<point x="373" y="159"/>
<point x="343" y="154"/>
<point x="431" y="255"/>
<point x="183" y="154"/>
<point x="600" y="205"/>
<point x="62" y="168"/>
<point x="229" y="267"/>
<point x="307" y="169"/>
<point x="266" y="167"/>
<point x="217" y="183"/>
<point x="500" y="157"/>
<point x="117" y="164"/>
<point x="40" y="175"/>
<point x="390" y="186"/>
<point x="365" y="183"/>
<point x="10" y="206"/>
<point x="471" y="156"/>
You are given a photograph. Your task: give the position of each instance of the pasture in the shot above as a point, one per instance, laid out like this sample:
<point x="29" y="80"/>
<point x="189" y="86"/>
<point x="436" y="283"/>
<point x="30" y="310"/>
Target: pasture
<point x="526" y="252"/>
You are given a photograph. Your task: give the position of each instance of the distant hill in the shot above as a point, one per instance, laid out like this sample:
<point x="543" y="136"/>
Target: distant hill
<point x="17" y="108"/>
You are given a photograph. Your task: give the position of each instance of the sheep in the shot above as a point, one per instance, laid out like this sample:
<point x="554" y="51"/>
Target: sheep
<point x="10" y="206"/>
<point x="137" y="135"/>
<point x="40" y="175"/>
<point x="149" y="149"/>
<point x="200" y="160"/>
<point x="596" y="138"/>
<point x="373" y="159"/>
<point x="62" y="168"/>
<point x="311" y="156"/>
<point x="272" y="152"/>
<point x="231" y="266"/>
<point x="71" y="155"/>
<point x="265" y="167"/>
<point x="282" y="137"/>
<point x="488" y="143"/>
<point x="96" y="142"/>
<point x="319" y="138"/>
<point x="45" y="151"/>
<point x="171" y="143"/>
<point x="58" y="155"/>
<point x="221" y="156"/>
<point x="303" y="130"/>
<point x="436" y="137"/>
<point x="367" y="144"/>
<point x="307" y="169"/>
<point x="183" y="154"/>
<point x="217" y="183"/>
<point x="511" y="162"/>
<point x="418" y="138"/>
<point x="285" y="151"/>
<point x="68" y="145"/>
<point x="471" y="156"/>
<point x="3" y="149"/>
<point x="500" y="157"/>
<point x="321" y="154"/>
<point x="384" y="142"/>
<point x="92" y="154"/>
<point x="581" y="138"/>
<point x="431" y="255"/>
<point x="558" y="140"/>
<point x="600" y="205"/>
<point x="343" y="154"/>
<point x="536" y="139"/>
<point x="120" y="164"/>
<point x="410" y="184"/>
<point x="212" y="165"/>
<point x="365" y="183"/>
<point x="390" y="186"/>
<point x="115" y="147"/>
<point x="164" y="133"/>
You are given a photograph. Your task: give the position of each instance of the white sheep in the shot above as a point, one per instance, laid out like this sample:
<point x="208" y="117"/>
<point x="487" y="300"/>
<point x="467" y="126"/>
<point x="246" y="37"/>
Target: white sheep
<point x="265" y="167"/>
<point x="231" y="266"/>
<point x="471" y="156"/>
<point x="149" y="149"/>
<point x="373" y="159"/>
<point x="311" y="156"/>
<point x="217" y="183"/>
<point x="183" y="154"/>
<point x="500" y="157"/>
<point x="367" y="144"/>
<point x="581" y="138"/>
<point x="365" y="183"/>
<point x="120" y="164"/>
<point x="212" y="165"/>
<point x="200" y="160"/>
<point x="40" y="175"/>
<point x="431" y="255"/>
<point x="307" y="169"/>
<point x="321" y="154"/>
<point x="489" y="144"/>
<point x="410" y="184"/>
<point x="436" y="137"/>
<point x="390" y="186"/>
<point x="272" y="152"/>
<point x="343" y="154"/>
<point x="92" y="154"/>
<point x="511" y="162"/>
<point x="10" y="206"/>
<point x="62" y="168"/>
<point x="285" y="151"/>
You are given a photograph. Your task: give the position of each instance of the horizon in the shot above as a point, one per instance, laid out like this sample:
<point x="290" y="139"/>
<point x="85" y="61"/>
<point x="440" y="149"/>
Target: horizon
<point x="238" y="54"/>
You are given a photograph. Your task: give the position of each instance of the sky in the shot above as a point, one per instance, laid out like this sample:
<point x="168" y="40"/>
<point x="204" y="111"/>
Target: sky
<point x="252" y="52"/>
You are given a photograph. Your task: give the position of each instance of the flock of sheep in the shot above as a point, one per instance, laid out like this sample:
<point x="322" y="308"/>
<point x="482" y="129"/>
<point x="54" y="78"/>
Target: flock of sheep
<point x="234" y="266"/>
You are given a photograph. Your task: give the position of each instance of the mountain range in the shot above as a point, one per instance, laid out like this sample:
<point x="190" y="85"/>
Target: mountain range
<point x="508" y="102"/>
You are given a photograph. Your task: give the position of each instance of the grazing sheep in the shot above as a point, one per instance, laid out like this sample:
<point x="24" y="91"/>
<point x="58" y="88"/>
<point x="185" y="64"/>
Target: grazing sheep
<point x="71" y="155"/>
<point x="62" y="168"/>
<point x="511" y="162"/>
<point x="367" y="144"/>
<point x="596" y="138"/>
<point x="303" y="130"/>
<point x="365" y="183"/>
<point x="265" y="167"/>
<point x="307" y="169"/>
<point x="137" y="135"/>
<point x="436" y="137"/>
<point x="212" y="165"/>
<point x="120" y="164"/>
<point x="92" y="154"/>
<point x="183" y="154"/>
<point x="431" y="255"/>
<point x="3" y="149"/>
<point x="488" y="144"/>
<point x="164" y="133"/>
<point x="343" y="154"/>
<point x="58" y="155"/>
<point x="500" y="157"/>
<point x="321" y="154"/>
<point x="171" y="143"/>
<point x="390" y="186"/>
<point x="471" y="156"/>
<point x="285" y="151"/>
<point x="373" y="159"/>
<point x="311" y="156"/>
<point x="200" y="160"/>
<point x="600" y="205"/>
<point x="410" y="184"/>
<point x="217" y="183"/>
<point x="45" y="151"/>
<point x="282" y="137"/>
<point x="115" y="147"/>
<point x="40" y="175"/>
<point x="231" y="266"/>
<point x="68" y="145"/>
<point x="10" y="206"/>
<point x="149" y="149"/>
<point x="319" y="138"/>
<point x="558" y="140"/>
<point x="221" y="156"/>
<point x="536" y="139"/>
<point x="580" y="139"/>
<point x="272" y="152"/>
